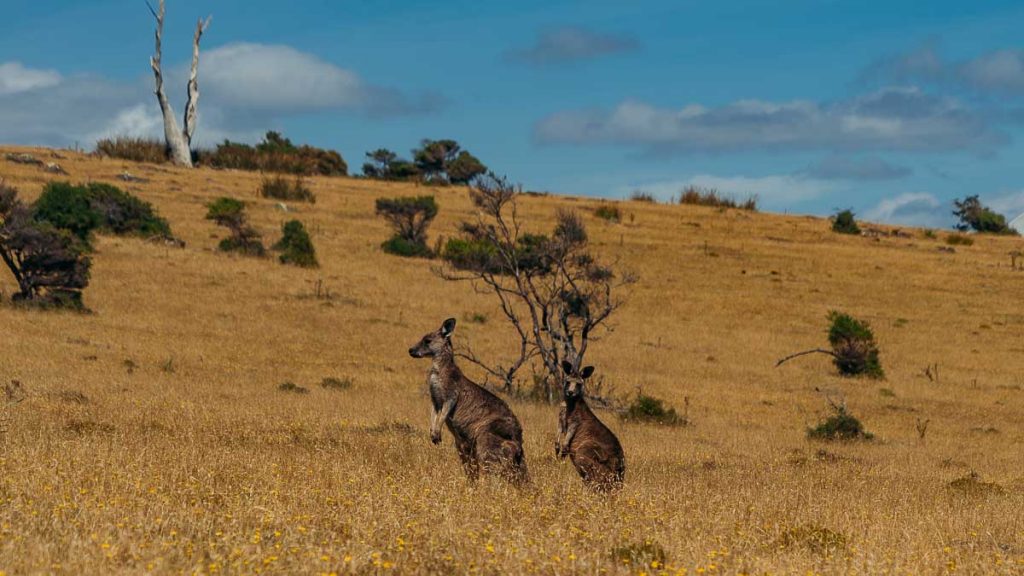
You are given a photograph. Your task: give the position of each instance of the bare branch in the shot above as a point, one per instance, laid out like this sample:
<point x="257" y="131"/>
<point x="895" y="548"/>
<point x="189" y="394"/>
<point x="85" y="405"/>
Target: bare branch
<point x="193" y="82"/>
<point x="804" y="353"/>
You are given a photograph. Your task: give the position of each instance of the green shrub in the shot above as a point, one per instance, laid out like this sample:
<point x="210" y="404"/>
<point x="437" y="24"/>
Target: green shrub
<point x="123" y="214"/>
<point x="399" y="246"/>
<point x="244" y="239"/>
<point x="841" y="425"/>
<point x="608" y="212"/>
<point x="84" y="208"/>
<point x="697" y="196"/>
<point x="280" y="188"/>
<point x="959" y="240"/>
<point x="477" y="253"/>
<point x="295" y="246"/>
<point x="133" y="149"/>
<point x="649" y="409"/>
<point x="67" y="207"/>
<point x="843" y="222"/>
<point x="855" y="352"/>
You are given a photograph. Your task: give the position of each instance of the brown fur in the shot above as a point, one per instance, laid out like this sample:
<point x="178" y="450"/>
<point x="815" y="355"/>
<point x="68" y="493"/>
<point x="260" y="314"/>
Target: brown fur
<point x="590" y="445"/>
<point x="488" y="436"/>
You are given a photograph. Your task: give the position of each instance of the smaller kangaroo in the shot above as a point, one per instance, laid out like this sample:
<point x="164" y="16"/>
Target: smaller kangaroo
<point x="487" y="434"/>
<point x="592" y="447"/>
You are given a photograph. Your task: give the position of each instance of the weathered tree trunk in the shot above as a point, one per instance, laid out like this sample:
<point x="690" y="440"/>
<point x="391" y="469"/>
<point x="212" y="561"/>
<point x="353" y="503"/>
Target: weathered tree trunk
<point x="178" y="142"/>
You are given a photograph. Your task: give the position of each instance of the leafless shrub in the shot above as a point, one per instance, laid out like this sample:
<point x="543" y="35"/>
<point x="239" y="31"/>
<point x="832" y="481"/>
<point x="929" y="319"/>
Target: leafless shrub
<point x="553" y="291"/>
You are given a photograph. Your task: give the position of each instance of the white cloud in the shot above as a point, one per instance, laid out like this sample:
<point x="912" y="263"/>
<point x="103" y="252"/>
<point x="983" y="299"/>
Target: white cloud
<point x="772" y="190"/>
<point x="895" y="118"/>
<point x="259" y="76"/>
<point x="15" y="78"/>
<point x="912" y="209"/>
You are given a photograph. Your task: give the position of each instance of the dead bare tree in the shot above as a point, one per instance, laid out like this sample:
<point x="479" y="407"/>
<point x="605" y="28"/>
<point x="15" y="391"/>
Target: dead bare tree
<point x="555" y="294"/>
<point x="178" y="142"/>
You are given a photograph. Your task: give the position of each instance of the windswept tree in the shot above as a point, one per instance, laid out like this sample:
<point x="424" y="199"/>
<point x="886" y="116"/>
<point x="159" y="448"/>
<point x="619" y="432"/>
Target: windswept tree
<point x="555" y="293"/>
<point x="433" y="156"/>
<point x="973" y="215"/>
<point x="379" y="163"/>
<point x="464" y="168"/>
<point x="49" y="264"/>
<point x="409" y="216"/>
<point x="179" y="142"/>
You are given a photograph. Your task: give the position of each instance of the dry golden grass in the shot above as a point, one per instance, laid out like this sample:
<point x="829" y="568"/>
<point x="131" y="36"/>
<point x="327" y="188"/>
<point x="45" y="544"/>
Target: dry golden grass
<point x="154" y="437"/>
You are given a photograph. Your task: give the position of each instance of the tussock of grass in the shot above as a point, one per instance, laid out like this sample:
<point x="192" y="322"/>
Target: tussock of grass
<point x="648" y="409"/>
<point x="608" y="212"/>
<point x="292" y="388"/>
<point x="331" y="383"/>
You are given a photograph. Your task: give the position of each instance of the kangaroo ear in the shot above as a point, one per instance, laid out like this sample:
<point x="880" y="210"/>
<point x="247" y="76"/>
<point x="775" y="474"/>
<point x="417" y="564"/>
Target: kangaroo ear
<point x="448" y="327"/>
<point x="586" y="372"/>
<point x="566" y="366"/>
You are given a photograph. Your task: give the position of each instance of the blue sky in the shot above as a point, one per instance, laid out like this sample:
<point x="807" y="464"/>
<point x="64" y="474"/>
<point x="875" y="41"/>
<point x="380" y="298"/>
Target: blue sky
<point x="890" y="108"/>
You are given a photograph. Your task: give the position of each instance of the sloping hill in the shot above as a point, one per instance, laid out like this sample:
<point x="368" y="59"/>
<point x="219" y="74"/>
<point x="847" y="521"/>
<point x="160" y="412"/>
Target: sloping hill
<point x="154" y="436"/>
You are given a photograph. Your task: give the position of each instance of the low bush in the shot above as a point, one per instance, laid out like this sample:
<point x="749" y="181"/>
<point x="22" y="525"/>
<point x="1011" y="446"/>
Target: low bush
<point x="649" y="409"/>
<point x="843" y="222"/>
<point x="697" y="196"/>
<point x="244" y="239"/>
<point x="133" y="149"/>
<point x="81" y="209"/>
<point x="124" y="214"/>
<point x="608" y="212"/>
<point x="642" y="196"/>
<point x="841" y="425"/>
<point x="292" y="388"/>
<point x="855" y="352"/>
<point x="275" y="154"/>
<point x="295" y="246"/>
<point x="281" y="188"/>
<point x="399" y="246"/>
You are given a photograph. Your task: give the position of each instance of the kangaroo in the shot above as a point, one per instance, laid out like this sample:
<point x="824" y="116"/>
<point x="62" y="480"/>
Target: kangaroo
<point x="487" y="434"/>
<point x="592" y="447"/>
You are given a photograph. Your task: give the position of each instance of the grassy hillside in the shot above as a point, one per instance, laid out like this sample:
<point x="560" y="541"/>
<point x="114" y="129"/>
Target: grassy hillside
<point x="154" y="437"/>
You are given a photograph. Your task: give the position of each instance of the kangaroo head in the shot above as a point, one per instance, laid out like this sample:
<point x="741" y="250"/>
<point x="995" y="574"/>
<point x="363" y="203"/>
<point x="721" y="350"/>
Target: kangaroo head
<point x="436" y="342"/>
<point x="573" y="380"/>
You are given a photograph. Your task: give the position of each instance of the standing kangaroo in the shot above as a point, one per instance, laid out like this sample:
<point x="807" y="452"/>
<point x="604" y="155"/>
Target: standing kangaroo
<point x="592" y="447"/>
<point x="487" y="434"/>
